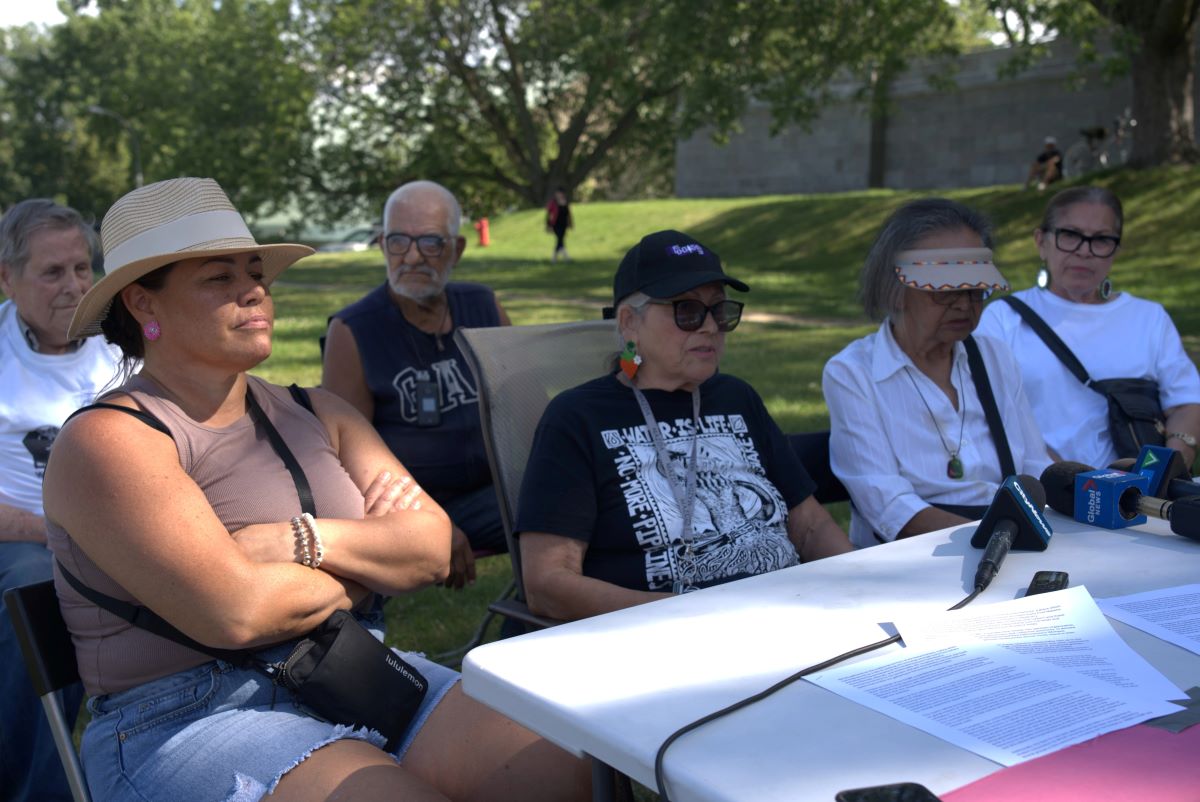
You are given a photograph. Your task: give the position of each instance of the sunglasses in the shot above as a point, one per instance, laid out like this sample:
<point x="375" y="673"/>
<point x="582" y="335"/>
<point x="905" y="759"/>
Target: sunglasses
<point x="950" y="297"/>
<point x="428" y="244"/>
<point x="690" y="313"/>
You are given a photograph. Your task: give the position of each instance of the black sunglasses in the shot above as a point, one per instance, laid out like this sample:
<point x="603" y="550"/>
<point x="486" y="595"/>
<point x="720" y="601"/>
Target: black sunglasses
<point x="1068" y="240"/>
<point x="950" y="297"/>
<point x="690" y="313"/>
<point x="397" y="244"/>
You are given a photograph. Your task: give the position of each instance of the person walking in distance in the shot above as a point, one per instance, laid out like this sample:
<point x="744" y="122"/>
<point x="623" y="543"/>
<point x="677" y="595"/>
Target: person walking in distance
<point x="558" y="220"/>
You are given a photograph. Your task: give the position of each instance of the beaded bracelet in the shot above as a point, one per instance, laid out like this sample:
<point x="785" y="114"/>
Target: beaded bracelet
<point x="318" y="550"/>
<point x="300" y="531"/>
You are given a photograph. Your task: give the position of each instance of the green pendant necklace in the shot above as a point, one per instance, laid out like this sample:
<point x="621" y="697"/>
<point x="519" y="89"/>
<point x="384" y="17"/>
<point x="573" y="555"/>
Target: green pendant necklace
<point x="954" y="466"/>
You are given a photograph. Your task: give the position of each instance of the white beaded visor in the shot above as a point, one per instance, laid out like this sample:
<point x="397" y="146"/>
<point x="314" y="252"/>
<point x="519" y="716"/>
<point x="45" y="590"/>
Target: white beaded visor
<point x="940" y="269"/>
<point x="165" y="222"/>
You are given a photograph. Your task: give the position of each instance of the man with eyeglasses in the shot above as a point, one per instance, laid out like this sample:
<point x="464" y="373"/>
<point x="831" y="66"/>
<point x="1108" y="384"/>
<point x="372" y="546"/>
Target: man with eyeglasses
<point x="392" y="355"/>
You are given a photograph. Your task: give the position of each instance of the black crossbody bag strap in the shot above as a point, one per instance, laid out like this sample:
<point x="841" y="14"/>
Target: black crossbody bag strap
<point x="1052" y="340"/>
<point x="983" y="388"/>
<point x="144" y="617"/>
<point x="147" y="619"/>
<point x="303" y="490"/>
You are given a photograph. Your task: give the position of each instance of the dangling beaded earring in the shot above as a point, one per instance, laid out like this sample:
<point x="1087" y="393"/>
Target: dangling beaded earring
<point x="1043" y="278"/>
<point x="630" y="360"/>
<point x="1105" y="289"/>
<point x="152" y="330"/>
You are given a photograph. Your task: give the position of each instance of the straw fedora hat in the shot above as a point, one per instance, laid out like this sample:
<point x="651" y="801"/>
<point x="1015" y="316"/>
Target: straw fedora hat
<point x="155" y="225"/>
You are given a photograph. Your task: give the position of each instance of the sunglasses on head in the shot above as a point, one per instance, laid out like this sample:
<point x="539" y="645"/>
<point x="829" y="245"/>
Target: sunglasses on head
<point x="690" y="313"/>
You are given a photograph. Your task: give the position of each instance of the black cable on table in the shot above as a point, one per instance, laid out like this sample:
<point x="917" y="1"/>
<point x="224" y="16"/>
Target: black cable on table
<point x="660" y="780"/>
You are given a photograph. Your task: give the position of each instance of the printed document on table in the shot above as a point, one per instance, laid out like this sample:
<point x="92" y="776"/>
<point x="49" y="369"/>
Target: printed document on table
<point x="1065" y="629"/>
<point x="1171" y="614"/>
<point x="990" y="700"/>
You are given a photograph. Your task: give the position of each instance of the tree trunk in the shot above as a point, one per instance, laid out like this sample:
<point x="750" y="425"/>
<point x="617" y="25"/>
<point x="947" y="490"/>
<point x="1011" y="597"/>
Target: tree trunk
<point x="1163" y="79"/>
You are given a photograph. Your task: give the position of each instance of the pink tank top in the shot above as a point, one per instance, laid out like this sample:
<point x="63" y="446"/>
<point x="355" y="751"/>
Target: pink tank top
<point x="246" y="483"/>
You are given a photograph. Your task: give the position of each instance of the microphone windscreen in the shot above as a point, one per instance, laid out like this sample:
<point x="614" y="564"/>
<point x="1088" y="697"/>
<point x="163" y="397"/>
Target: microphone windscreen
<point x="1019" y="499"/>
<point x="1037" y="493"/>
<point x="1059" y="482"/>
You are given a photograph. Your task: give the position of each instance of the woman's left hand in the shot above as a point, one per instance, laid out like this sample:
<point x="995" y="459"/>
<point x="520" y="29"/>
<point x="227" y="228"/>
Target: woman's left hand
<point x="390" y="492"/>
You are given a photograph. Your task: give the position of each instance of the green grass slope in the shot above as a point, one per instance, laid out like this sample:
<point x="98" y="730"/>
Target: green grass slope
<point x="800" y="254"/>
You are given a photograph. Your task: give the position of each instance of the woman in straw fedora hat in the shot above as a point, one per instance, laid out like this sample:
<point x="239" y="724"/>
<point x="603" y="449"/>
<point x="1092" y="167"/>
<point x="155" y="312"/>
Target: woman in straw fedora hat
<point x="189" y="511"/>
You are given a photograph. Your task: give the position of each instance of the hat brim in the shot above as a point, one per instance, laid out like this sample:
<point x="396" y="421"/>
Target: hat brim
<point x="929" y="278"/>
<point x="94" y="306"/>
<point x="682" y="282"/>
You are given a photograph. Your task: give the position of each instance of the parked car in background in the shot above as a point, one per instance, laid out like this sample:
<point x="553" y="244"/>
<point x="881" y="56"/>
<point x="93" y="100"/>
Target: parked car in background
<point x="359" y="239"/>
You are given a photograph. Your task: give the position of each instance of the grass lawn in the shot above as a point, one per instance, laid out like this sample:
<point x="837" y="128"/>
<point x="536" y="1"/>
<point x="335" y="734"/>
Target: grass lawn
<point x="801" y="256"/>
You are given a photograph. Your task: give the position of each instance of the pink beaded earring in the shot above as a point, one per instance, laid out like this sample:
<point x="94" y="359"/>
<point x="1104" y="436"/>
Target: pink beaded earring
<point x="152" y="330"/>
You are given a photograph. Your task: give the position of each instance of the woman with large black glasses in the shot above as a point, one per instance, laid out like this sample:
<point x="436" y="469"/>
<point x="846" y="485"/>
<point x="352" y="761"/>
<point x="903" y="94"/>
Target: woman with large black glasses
<point x="664" y="475"/>
<point x="1112" y="333"/>
<point x="911" y="436"/>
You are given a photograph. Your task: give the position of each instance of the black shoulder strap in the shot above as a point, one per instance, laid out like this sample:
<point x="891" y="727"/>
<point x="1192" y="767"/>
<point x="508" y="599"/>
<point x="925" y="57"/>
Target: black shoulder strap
<point x="983" y="388"/>
<point x="1052" y="340"/>
<point x="300" y="396"/>
<point x="140" y="414"/>
<point x="145" y="618"/>
<point x="303" y="490"/>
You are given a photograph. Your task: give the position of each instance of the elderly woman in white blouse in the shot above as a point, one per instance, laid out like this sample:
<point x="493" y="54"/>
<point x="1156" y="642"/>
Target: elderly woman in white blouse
<point x="910" y="405"/>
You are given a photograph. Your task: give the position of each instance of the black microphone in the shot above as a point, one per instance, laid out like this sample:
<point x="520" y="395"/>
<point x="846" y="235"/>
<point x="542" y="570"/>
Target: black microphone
<point x="1014" y="520"/>
<point x="1111" y="499"/>
<point x="1170" y="479"/>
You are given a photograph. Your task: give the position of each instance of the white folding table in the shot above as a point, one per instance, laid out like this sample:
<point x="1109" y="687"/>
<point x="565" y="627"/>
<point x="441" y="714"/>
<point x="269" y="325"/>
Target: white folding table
<point x="615" y="686"/>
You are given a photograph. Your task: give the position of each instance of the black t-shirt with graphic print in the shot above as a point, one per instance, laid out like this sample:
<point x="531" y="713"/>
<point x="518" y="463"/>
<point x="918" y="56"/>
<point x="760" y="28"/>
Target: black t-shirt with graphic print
<point x="593" y="475"/>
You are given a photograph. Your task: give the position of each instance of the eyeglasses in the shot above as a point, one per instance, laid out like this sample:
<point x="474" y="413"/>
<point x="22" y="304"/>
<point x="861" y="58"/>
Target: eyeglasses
<point x="690" y="313"/>
<point x="950" y="297"/>
<point x="1068" y="240"/>
<point x="397" y="244"/>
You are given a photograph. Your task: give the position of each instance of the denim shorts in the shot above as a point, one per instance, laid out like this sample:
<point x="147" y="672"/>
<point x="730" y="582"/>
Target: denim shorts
<point x="217" y="732"/>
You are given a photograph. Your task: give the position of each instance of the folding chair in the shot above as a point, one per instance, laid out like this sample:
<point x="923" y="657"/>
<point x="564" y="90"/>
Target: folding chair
<point x="813" y="450"/>
<point x="517" y="370"/>
<point x="50" y="659"/>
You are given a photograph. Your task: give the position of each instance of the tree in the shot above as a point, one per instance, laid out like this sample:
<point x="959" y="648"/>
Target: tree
<point x="208" y="88"/>
<point x="1156" y="40"/>
<point x="523" y="95"/>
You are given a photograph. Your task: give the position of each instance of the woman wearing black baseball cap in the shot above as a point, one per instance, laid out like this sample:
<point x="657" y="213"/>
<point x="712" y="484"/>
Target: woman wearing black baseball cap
<point x="664" y="476"/>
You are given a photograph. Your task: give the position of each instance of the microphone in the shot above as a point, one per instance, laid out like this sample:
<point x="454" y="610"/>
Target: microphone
<point x="1014" y="520"/>
<point x="1114" y="499"/>
<point x="1168" y="473"/>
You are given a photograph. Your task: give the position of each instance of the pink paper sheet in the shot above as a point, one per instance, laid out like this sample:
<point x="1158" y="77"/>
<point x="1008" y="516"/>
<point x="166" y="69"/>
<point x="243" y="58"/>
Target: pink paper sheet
<point x="1136" y="763"/>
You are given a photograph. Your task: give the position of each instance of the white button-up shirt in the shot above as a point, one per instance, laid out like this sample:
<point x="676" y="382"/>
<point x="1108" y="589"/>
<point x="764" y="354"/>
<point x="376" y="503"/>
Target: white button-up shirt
<point x="887" y="450"/>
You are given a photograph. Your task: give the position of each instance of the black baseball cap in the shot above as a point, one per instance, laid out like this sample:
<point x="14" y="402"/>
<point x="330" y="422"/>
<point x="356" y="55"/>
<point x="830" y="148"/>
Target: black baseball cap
<point x="667" y="263"/>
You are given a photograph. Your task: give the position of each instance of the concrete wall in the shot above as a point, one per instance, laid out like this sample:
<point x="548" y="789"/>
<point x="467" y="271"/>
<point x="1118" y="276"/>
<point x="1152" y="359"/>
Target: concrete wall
<point x="985" y="131"/>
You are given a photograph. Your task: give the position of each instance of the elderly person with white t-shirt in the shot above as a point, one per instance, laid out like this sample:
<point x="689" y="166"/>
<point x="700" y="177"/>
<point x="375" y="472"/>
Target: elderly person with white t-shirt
<point x="909" y="404"/>
<point x="45" y="374"/>
<point x="1112" y="334"/>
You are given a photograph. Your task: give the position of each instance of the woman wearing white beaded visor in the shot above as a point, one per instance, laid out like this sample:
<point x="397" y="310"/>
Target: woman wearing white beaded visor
<point x="919" y="435"/>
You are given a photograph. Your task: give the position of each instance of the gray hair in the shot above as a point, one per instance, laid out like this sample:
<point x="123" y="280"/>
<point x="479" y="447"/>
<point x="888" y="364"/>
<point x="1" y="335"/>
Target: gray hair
<point x="636" y="301"/>
<point x="878" y="288"/>
<point x="28" y="217"/>
<point x="1069" y="197"/>
<point x="414" y="188"/>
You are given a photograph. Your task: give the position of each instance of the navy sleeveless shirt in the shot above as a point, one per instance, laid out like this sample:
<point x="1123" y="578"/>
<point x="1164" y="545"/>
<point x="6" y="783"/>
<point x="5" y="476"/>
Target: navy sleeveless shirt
<point x="449" y="459"/>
